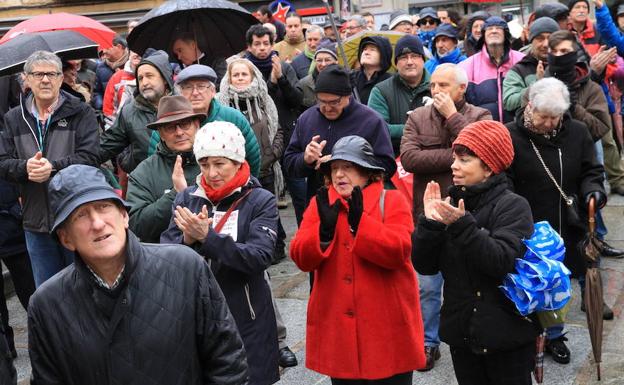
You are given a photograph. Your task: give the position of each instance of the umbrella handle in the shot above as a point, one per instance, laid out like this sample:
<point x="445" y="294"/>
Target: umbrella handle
<point x="592" y="214"/>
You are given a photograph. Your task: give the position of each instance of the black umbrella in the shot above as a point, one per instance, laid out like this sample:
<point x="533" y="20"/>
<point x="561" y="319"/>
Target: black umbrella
<point x="68" y="45"/>
<point x="219" y="26"/>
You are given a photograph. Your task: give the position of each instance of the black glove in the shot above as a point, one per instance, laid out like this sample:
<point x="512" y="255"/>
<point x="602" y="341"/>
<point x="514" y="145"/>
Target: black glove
<point x="601" y="199"/>
<point x="356" y="206"/>
<point x="327" y="214"/>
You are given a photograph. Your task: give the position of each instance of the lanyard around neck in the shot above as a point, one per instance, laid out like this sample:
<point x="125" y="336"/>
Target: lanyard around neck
<point x="42" y="133"/>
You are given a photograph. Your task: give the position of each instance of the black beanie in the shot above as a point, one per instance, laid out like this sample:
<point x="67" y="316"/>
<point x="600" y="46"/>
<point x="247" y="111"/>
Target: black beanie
<point x="333" y="80"/>
<point x="572" y="2"/>
<point x="408" y="44"/>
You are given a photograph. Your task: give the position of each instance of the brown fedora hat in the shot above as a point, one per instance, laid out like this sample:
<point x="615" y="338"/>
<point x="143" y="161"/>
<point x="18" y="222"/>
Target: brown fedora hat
<point x="172" y="109"/>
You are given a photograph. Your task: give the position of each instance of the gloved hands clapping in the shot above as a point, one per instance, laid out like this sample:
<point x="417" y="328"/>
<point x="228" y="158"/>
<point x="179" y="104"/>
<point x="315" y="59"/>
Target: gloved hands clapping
<point x="327" y="214"/>
<point x="356" y="207"/>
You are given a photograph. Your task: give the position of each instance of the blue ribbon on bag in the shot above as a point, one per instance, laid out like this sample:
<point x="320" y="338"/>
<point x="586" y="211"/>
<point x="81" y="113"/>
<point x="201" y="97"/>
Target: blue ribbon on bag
<point x="542" y="281"/>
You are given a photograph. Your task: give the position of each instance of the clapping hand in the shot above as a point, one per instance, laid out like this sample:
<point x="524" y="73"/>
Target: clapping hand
<point x="195" y="227"/>
<point x="356" y="207"/>
<point x="440" y="210"/>
<point x="38" y="168"/>
<point x="177" y="177"/>
<point x="313" y="154"/>
<point x="328" y="215"/>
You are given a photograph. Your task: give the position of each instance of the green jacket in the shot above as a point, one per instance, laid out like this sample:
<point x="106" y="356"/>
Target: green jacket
<point x="393" y="99"/>
<point x="151" y="192"/>
<point x="517" y="82"/>
<point x="221" y="113"/>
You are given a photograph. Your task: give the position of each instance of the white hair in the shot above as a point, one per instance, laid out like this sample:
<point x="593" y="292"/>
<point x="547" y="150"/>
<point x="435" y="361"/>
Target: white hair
<point x="315" y="28"/>
<point x="360" y="21"/>
<point x="549" y="96"/>
<point x="460" y="74"/>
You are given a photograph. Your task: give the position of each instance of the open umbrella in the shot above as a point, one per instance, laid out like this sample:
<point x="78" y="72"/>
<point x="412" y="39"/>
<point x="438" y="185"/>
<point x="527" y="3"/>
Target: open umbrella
<point x="593" y="288"/>
<point x="86" y="26"/>
<point x="219" y="26"/>
<point x="68" y="45"/>
<point x="352" y="43"/>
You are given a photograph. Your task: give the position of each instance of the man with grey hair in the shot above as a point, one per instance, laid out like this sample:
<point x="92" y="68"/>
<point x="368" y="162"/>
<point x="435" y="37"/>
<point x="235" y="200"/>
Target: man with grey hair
<point x="356" y="24"/>
<point x="426" y="152"/>
<point x="302" y="63"/>
<point x="47" y="132"/>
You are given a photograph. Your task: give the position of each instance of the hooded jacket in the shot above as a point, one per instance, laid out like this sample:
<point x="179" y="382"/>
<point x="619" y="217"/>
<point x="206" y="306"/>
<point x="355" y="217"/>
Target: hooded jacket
<point x="571" y="158"/>
<point x="517" y="81"/>
<point x="356" y="119"/>
<point x="393" y="99"/>
<point x="130" y="127"/>
<point x="166" y="323"/>
<point x="470" y="43"/>
<point x="151" y="193"/>
<point x="358" y="78"/>
<point x="71" y="138"/>
<point x="454" y="57"/>
<point x="239" y="265"/>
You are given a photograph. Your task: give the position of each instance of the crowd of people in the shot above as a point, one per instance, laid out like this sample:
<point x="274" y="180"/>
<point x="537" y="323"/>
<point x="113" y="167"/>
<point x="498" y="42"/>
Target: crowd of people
<point x="140" y="196"/>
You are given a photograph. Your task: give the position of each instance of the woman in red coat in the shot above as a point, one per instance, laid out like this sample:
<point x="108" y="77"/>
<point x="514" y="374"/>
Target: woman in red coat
<point x="364" y="320"/>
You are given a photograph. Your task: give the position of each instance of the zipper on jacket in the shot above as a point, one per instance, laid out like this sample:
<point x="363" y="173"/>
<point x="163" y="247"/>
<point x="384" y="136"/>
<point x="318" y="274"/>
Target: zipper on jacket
<point x="560" y="184"/>
<point x="251" y="310"/>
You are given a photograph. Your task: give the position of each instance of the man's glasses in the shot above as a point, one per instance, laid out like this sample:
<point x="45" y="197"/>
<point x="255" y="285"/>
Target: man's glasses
<point x="184" y="125"/>
<point x="41" y="75"/>
<point x="329" y="103"/>
<point x="190" y="87"/>
<point x="429" y="21"/>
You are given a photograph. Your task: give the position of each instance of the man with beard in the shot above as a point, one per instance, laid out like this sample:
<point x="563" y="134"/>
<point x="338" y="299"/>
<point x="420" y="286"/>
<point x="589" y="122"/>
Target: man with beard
<point x="531" y="68"/>
<point x="294" y="42"/>
<point x="487" y="69"/>
<point x="154" y="80"/>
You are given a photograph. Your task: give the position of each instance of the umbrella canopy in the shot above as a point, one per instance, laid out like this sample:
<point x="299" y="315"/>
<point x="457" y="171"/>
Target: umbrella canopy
<point x="219" y="27"/>
<point x="86" y="26"/>
<point x="593" y="289"/>
<point x="352" y="43"/>
<point x="68" y="45"/>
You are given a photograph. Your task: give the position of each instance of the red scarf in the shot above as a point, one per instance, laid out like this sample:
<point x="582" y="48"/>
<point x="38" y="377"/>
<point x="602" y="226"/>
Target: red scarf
<point x="239" y="180"/>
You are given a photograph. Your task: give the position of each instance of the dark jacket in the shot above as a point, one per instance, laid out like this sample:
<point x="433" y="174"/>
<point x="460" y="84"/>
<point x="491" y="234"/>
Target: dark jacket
<point x="71" y="138"/>
<point x="102" y="75"/>
<point x="360" y="82"/>
<point x="393" y="99"/>
<point x="301" y="64"/>
<point x="517" y="82"/>
<point x="474" y="255"/>
<point x="167" y="323"/>
<point x="571" y="159"/>
<point x="239" y="267"/>
<point x="130" y="127"/>
<point x="356" y="119"/>
<point x="12" y="240"/>
<point x="151" y="193"/>
<point x="8" y="375"/>
<point x="306" y="87"/>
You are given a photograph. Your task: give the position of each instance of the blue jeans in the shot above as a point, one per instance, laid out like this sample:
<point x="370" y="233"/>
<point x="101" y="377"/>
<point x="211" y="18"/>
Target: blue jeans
<point x="47" y="256"/>
<point x="430" y="287"/>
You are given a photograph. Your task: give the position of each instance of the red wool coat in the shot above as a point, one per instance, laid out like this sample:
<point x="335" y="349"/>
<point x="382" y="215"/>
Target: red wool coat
<point x="364" y="319"/>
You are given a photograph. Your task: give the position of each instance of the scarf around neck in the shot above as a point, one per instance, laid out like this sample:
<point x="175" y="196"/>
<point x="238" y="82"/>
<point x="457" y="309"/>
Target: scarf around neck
<point x="563" y="67"/>
<point x="120" y="62"/>
<point x="239" y="180"/>
<point x="264" y="65"/>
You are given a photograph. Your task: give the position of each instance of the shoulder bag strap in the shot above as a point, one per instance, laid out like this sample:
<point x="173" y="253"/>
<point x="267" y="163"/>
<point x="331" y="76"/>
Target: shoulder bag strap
<point x="566" y="198"/>
<point x="225" y="217"/>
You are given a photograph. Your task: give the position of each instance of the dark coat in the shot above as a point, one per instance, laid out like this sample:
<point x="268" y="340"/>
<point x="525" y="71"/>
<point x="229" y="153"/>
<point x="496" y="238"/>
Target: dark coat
<point x="474" y="254"/>
<point x="571" y="159"/>
<point x="356" y="119"/>
<point x="103" y="74"/>
<point x="167" y="323"/>
<point x="239" y="267"/>
<point x="71" y="138"/>
<point x="8" y="375"/>
<point x="12" y="240"/>
<point x="301" y="64"/>
<point x="360" y="82"/>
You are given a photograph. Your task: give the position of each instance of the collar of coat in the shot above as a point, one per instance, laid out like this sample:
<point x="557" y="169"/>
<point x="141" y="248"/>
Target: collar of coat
<point x="370" y="193"/>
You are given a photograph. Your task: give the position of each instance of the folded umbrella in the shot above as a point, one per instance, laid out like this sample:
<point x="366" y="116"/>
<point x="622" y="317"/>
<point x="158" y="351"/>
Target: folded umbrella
<point x="219" y="26"/>
<point x="68" y="45"/>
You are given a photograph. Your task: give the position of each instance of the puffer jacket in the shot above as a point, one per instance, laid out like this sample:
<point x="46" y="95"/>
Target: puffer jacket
<point x="71" y="138"/>
<point x="393" y="99"/>
<point x="485" y="87"/>
<point x="571" y="158"/>
<point x="130" y="127"/>
<point x="151" y="193"/>
<point x="239" y="265"/>
<point x="360" y="82"/>
<point x="426" y="146"/>
<point x="167" y="323"/>
<point x="474" y="254"/>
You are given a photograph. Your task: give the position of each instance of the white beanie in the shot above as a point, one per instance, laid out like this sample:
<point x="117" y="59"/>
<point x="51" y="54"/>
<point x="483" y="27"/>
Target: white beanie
<point x="220" y="139"/>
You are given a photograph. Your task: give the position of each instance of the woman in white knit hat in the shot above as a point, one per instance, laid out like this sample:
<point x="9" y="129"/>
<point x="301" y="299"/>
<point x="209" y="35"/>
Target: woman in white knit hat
<point x="232" y="221"/>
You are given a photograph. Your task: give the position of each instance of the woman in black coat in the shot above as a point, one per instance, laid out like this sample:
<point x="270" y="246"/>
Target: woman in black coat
<point x="567" y="150"/>
<point x="473" y="238"/>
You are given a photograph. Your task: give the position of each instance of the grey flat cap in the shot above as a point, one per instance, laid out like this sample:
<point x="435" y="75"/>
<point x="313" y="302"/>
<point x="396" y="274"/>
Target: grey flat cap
<point x="196" y="71"/>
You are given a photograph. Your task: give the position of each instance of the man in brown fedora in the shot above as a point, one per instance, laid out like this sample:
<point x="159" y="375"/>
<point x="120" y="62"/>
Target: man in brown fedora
<point x="153" y="185"/>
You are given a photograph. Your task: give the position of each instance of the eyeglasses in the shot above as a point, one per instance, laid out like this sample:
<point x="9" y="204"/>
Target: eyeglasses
<point x="184" y="125"/>
<point x="329" y="103"/>
<point x="429" y="21"/>
<point x="41" y="75"/>
<point x="326" y="60"/>
<point x="199" y="87"/>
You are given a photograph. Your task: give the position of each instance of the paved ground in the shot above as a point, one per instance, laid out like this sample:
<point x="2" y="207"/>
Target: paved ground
<point x="291" y="287"/>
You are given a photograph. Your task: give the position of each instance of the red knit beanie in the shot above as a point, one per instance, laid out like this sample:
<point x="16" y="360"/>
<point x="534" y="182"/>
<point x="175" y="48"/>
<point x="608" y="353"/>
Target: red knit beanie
<point x="491" y="141"/>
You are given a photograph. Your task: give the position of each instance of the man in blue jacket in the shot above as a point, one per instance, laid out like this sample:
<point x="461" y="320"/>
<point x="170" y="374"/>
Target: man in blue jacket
<point x="444" y="48"/>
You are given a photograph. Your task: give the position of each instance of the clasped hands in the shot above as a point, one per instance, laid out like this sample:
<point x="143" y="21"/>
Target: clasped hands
<point x="194" y="227"/>
<point x="440" y="210"/>
<point x="38" y="168"/>
<point x="328" y="214"/>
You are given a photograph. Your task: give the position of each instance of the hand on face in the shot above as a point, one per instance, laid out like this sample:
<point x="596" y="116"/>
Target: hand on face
<point x="444" y="104"/>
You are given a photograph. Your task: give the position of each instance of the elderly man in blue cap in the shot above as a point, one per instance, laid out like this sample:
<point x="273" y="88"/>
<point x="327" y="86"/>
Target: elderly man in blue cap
<point x="126" y="312"/>
<point x="444" y="47"/>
